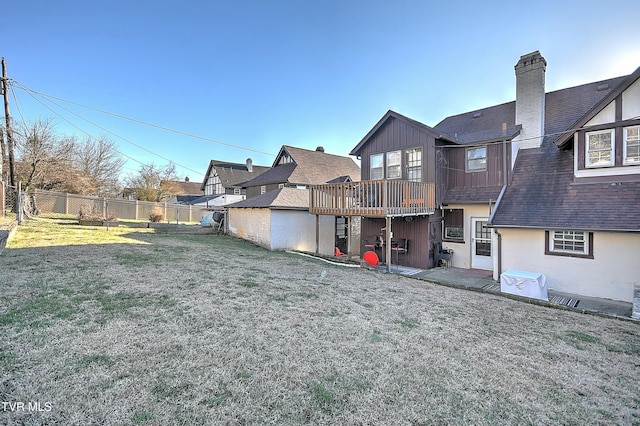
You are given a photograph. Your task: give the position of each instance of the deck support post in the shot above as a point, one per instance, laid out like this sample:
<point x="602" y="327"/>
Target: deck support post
<point x="317" y="234"/>
<point x="348" y="237"/>
<point x="387" y="241"/>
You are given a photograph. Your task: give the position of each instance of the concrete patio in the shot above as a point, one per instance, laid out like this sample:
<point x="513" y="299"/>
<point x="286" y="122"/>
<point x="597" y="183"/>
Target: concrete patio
<point x="482" y="281"/>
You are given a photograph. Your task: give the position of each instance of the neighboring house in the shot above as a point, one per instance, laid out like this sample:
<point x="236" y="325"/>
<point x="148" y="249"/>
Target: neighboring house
<point x="512" y="186"/>
<point x="300" y="168"/>
<point x="183" y="191"/>
<point x="276" y="211"/>
<point x="226" y="179"/>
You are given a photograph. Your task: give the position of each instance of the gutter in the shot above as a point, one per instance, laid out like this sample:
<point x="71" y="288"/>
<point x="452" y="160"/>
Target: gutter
<point x="495" y="208"/>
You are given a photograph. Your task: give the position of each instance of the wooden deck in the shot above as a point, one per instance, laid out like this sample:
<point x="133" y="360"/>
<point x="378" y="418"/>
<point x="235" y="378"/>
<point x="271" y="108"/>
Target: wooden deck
<point x="373" y="198"/>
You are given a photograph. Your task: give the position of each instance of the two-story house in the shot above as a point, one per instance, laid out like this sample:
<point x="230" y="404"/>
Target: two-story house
<point x="572" y="210"/>
<point x="223" y="182"/>
<point x="500" y="184"/>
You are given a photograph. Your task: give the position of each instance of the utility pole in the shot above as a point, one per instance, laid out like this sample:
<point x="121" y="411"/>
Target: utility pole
<point x="7" y="117"/>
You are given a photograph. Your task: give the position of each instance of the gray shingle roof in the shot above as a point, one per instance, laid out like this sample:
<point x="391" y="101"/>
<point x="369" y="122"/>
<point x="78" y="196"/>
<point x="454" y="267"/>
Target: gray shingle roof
<point x="232" y="174"/>
<point x="543" y="193"/>
<point x="308" y="168"/>
<point x="281" y="198"/>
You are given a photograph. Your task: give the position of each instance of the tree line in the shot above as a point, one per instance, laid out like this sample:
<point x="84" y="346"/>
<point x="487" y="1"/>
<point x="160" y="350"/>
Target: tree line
<point x="48" y="160"/>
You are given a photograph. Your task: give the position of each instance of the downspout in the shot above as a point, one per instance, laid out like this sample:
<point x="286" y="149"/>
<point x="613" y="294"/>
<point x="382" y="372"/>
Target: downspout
<point x="495" y="206"/>
<point x="493" y="212"/>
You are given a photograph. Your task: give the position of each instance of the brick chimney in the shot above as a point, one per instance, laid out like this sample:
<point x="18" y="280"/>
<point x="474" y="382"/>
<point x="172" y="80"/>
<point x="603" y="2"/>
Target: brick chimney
<point x="530" y="93"/>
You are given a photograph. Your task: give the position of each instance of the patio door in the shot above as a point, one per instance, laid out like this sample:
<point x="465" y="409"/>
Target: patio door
<point x="480" y="244"/>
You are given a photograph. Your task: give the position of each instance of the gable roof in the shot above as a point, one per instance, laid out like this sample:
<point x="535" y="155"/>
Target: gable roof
<point x="232" y="174"/>
<point x="543" y="194"/>
<point x="278" y="199"/>
<point x="307" y="168"/>
<point x="494" y="123"/>
<point x="619" y="84"/>
<point x="411" y="122"/>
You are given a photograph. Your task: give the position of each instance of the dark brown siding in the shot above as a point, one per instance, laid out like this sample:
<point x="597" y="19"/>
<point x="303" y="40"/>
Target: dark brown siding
<point x="421" y="231"/>
<point x="458" y="177"/>
<point x="254" y="191"/>
<point x="394" y="135"/>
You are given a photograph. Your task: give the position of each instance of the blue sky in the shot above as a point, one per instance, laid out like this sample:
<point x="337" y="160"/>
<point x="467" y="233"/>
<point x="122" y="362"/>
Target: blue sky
<point x="261" y="74"/>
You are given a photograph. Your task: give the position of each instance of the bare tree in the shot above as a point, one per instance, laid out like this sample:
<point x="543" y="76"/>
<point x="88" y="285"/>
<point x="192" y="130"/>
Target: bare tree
<point x="100" y="162"/>
<point x="47" y="160"/>
<point x="154" y="183"/>
<point x="44" y="158"/>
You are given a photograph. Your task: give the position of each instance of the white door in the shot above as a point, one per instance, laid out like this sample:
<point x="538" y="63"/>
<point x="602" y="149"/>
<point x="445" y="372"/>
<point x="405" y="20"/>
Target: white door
<point x="480" y="244"/>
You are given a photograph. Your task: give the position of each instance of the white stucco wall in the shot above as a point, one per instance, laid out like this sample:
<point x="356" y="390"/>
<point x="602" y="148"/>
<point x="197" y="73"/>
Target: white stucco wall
<point x="611" y="274"/>
<point x="296" y="230"/>
<point x="631" y="101"/>
<point x="607" y="115"/>
<point x="283" y="229"/>
<point x="251" y="224"/>
<point x="462" y="251"/>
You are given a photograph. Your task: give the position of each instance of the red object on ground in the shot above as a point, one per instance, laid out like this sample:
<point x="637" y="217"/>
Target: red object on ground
<point x="371" y="258"/>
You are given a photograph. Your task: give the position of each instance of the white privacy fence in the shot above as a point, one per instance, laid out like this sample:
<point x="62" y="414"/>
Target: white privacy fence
<point x="59" y="202"/>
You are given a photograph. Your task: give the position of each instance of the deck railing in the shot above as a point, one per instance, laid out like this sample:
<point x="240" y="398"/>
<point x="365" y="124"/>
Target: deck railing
<point x="373" y="198"/>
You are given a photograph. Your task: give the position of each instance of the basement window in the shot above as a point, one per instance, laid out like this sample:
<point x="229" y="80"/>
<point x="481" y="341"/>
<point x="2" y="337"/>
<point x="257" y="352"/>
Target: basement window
<point x="569" y="243"/>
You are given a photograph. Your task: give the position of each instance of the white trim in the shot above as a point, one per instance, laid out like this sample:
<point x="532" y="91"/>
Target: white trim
<point x="399" y="165"/>
<point x="608" y="171"/>
<point x="552" y="240"/>
<point x="624" y="147"/>
<point x="466" y="159"/>
<point x="612" y="150"/>
<point x="381" y="168"/>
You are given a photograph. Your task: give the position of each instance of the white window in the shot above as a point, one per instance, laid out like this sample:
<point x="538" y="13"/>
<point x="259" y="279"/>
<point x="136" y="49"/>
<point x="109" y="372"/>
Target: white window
<point x="631" y="145"/>
<point x="394" y="165"/>
<point x="376" y="167"/>
<point x="476" y="159"/>
<point x="414" y="164"/>
<point x="237" y="191"/>
<point x="263" y="189"/>
<point x="599" y="149"/>
<point x="566" y="241"/>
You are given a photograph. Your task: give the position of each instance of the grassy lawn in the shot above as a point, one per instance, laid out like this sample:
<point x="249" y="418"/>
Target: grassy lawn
<point x="131" y="326"/>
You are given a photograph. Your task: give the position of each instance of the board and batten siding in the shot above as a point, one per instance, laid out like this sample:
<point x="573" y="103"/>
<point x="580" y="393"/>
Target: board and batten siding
<point x="458" y="177"/>
<point x="396" y="134"/>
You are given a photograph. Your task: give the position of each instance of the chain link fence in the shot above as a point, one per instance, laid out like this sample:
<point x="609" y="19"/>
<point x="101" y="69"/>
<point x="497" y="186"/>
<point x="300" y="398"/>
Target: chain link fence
<point x="10" y="198"/>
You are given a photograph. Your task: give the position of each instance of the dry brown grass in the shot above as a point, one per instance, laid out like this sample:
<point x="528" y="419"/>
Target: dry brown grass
<point x="174" y="329"/>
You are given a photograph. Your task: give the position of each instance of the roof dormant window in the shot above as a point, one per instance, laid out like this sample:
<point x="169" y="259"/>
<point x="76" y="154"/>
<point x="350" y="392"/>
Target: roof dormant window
<point x="599" y="149"/>
<point x="631" y="145"/>
<point x="476" y="159"/>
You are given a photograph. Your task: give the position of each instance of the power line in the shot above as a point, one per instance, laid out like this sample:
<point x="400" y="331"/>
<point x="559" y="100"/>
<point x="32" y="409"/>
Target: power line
<point x="116" y="135"/>
<point x="145" y="123"/>
<point x="79" y="129"/>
